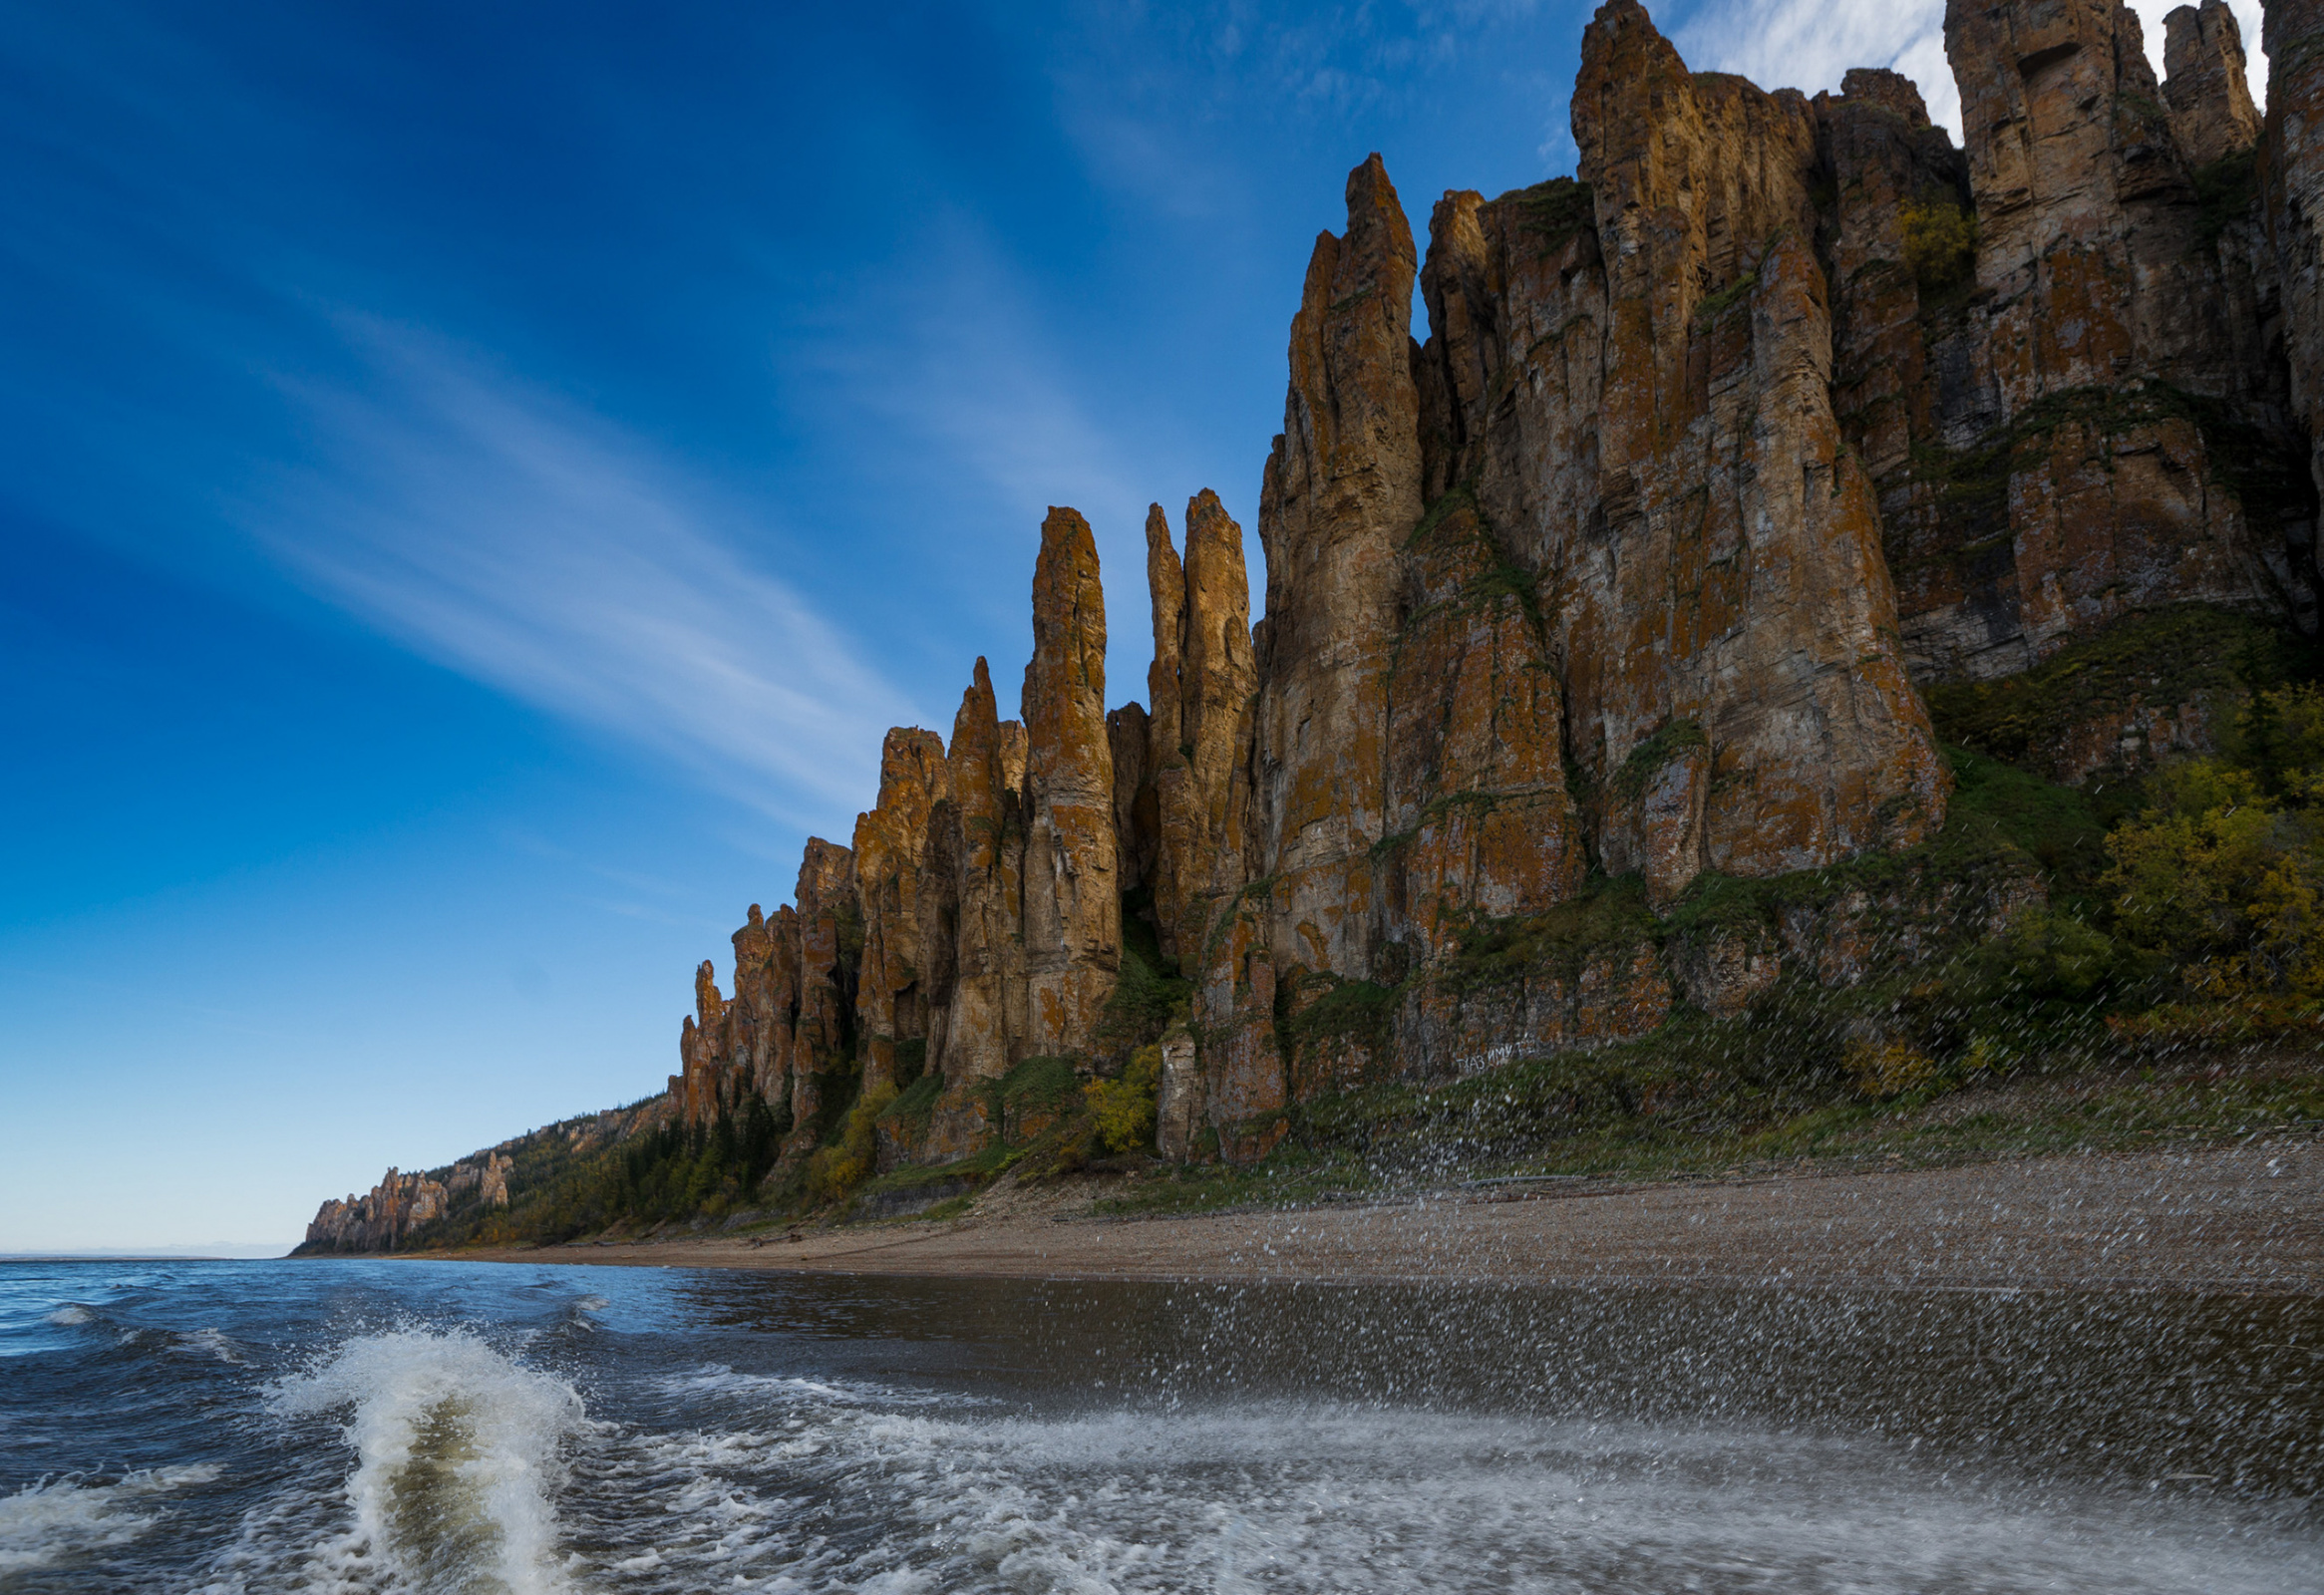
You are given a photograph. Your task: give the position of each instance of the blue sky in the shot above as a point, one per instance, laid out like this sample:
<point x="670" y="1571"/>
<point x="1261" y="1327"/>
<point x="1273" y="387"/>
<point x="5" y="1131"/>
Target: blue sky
<point x="477" y="482"/>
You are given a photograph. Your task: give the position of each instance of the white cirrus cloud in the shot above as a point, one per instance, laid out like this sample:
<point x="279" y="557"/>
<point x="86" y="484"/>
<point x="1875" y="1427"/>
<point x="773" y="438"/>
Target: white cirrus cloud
<point x="513" y="537"/>
<point x="1810" y="43"/>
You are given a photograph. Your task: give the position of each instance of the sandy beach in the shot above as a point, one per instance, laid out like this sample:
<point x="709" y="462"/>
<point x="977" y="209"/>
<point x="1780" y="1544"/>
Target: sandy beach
<point x="2243" y="1218"/>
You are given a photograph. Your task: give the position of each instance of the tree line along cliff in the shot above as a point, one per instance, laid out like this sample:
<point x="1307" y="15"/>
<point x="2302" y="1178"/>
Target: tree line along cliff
<point x="1603" y="625"/>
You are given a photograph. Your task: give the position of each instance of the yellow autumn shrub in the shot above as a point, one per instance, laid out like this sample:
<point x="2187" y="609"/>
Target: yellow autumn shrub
<point x="1123" y="1109"/>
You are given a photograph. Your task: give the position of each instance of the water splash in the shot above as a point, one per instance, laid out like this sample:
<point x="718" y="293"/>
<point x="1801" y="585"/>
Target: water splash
<point x="843" y="1492"/>
<point x="456" y="1460"/>
<point x="52" y="1522"/>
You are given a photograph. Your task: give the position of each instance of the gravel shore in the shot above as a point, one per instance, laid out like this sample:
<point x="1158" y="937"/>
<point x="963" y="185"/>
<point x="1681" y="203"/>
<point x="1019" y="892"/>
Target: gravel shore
<point x="2247" y="1218"/>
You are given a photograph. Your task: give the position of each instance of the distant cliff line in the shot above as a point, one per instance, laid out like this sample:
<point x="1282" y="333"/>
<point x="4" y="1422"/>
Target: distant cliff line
<point x="1593" y="692"/>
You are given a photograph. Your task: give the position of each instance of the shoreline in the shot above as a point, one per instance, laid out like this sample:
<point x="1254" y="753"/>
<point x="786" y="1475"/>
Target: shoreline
<point x="2241" y="1218"/>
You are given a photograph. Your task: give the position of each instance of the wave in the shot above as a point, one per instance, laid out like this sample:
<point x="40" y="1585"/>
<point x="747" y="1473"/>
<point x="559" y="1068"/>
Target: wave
<point x="456" y="1460"/>
<point x="843" y="1491"/>
<point x="59" y="1518"/>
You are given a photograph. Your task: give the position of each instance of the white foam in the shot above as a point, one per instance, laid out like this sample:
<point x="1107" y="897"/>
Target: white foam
<point x="456" y="1460"/>
<point x="786" y="1389"/>
<point x="853" y="1494"/>
<point x="71" y="1314"/>
<point x="56" y="1518"/>
<point x="215" y="1342"/>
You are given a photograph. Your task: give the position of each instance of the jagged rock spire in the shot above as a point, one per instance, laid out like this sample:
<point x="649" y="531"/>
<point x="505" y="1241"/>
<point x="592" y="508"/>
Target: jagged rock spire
<point x="1073" y="903"/>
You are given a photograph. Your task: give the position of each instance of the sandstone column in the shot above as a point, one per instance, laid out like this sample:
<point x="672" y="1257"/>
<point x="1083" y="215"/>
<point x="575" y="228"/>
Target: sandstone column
<point x="1341" y="493"/>
<point x="1072" y="902"/>
<point x="987" y="952"/>
<point x="830" y="942"/>
<point x="2292" y="164"/>
<point x="890" y="840"/>
<point x="2207" y="82"/>
<point x="1202" y="785"/>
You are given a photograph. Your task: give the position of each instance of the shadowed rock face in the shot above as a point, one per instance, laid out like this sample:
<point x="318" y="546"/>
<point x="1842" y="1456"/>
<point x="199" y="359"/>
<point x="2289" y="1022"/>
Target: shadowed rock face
<point x="1201" y="775"/>
<point x="2292" y="170"/>
<point x="1781" y="406"/>
<point x="831" y="926"/>
<point x="2081" y="383"/>
<point x="2207" y="83"/>
<point x="987" y="852"/>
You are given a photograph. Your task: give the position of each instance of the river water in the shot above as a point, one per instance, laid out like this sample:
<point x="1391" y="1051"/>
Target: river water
<point x="367" y="1427"/>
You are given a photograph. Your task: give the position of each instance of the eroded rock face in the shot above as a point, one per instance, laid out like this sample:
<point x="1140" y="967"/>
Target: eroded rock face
<point x="890" y="847"/>
<point x="1073" y="890"/>
<point x="1726" y="615"/>
<point x="2207" y="83"/>
<point x="1136" y="822"/>
<point x="1479" y="820"/>
<point x="2292" y="168"/>
<point x="1619" y="575"/>
<point x="759" y="1017"/>
<point x="1201" y="781"/>
<point x="984" y="1004"/>
<point x="380" y="1219"/>
<point x="2083" y="380"/>
<point x="1341" y="493"/>
<point x="830" y="944"/>
<point x="705" y="1077"/>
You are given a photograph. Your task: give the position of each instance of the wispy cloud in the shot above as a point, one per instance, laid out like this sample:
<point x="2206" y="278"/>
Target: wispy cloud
<point x="516" y="537"/>
<point x="964" y="364"/>
<point x="947" y="352"/>
<point x="1810" y="43"/>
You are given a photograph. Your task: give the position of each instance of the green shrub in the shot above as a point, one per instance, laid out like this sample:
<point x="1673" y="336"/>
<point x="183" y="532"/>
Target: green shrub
<point x="1940" y="241"/>
<point x="1148" y="995"/>
<point x="1888" y="1068"/>
<point x="1123" y="1109"/>
<point x="835" y="1171"/>
<point x="2221" y="878"/>
<point x="913" y="1108"/>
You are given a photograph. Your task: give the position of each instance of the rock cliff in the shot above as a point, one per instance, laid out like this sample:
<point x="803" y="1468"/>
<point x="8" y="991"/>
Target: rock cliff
<point x="1631" y="577"/>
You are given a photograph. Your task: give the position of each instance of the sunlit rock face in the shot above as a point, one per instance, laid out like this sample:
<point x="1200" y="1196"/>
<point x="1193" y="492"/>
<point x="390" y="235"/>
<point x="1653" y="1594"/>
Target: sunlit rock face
<point x="1072" y="885"/>
<point x="890" y="851"/>
<point x="1618" y="587"/>
<point x="402" y="1204"/>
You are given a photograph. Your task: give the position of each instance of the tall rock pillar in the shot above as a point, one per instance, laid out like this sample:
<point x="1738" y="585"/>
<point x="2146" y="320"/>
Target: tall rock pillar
<point x="890" y="843"/>
<point x="2207" y="82"/>
<point x="1342" y="491"/>
<point x="1202" y="780"/>
<point x="985" y="848"/>
<point x="2292" y="170"/>
<point x="1341" y="494"/>
<point x="1073" y="893"/>
<point x="1734" y="679"/>
<point x="830" y="939"/>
